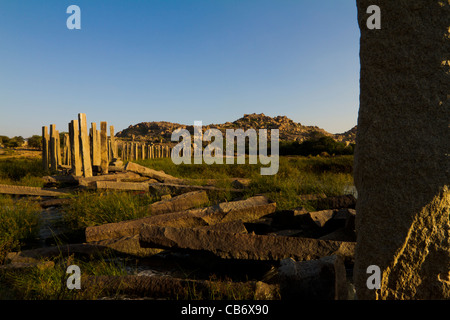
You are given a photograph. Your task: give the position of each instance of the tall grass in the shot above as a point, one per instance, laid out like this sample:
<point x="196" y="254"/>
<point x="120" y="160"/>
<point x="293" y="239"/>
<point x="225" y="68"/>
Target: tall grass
<point x="19" y="221"/>
<point x="296" y="176"/>
<point x="96" y="208"/>
<point x="22" y="171"/>
<point x="49" y="282"/>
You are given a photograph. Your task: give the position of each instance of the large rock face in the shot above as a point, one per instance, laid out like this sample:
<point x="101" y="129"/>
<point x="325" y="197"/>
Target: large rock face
<point x="402" y="152"/>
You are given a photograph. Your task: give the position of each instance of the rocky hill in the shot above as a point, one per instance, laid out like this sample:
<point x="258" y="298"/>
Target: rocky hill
<point x="289" y="130"/>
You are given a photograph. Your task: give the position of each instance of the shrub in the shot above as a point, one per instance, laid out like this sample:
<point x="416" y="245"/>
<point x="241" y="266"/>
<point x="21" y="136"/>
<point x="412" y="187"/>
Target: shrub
<point x="35" y="142"/>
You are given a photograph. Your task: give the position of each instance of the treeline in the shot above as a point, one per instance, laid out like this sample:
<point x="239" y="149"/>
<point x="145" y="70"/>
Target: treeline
<point x="323" y="145"/>
<point x="34" y="141"/>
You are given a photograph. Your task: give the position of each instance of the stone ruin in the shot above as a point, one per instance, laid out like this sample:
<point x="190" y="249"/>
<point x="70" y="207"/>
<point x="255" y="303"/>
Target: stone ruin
<point x="85" y="153"/>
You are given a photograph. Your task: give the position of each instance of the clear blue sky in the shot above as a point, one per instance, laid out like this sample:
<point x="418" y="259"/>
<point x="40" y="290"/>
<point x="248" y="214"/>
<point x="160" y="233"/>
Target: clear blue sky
<point x="179" y="61"/>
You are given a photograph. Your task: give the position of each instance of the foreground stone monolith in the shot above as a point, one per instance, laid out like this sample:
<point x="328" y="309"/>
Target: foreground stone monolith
<point x="402" y="151"/>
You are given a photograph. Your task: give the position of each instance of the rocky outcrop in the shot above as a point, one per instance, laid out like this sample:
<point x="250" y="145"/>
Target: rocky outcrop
<point x="288" y="129"/>
<point x="402" y="151"/>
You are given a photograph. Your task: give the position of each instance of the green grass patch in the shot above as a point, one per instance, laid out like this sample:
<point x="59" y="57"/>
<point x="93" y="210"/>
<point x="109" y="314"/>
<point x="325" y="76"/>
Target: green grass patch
<point x="95" y="208"/>
<point x="19" y="222"/>
<point x="50" y="283"/>
<point x="297" y="175"/>
<point x="22" y="171"/>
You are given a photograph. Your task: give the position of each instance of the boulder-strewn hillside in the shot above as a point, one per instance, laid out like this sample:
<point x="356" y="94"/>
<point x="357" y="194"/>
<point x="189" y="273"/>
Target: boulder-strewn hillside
<point x="288" y="129"/>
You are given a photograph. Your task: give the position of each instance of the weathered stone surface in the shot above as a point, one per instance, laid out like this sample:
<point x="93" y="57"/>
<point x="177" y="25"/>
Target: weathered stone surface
<point x="242" y="246"/>
<point x="321" y="279"/>
<point x="127" y="186"/>
<point x="158" y="175"/>
<point x="244" y="210"/>
<point x="337" y="202"/>
<point x="236" y="226"/>
<point x="402" y="151"/>
<point x="423" y="261"/>
<point x="28" y="265"/>
<point x="127" y="245"/>
<point x="175" y="288"/>
<point x="31" y="191"/>
<point x="182" y="202"/>
<point x="319" y="218"/>
<point x="33" y="255"/>
<point x="85" y="182"/>
<point x="177" y="188"/>
<point x="54" y="203"/>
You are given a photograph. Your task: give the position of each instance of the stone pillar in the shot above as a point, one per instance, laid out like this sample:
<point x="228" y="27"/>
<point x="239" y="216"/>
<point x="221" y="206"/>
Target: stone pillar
<point x="136" y="151"/>
<point x="104" y="147"/>
<point x="58" y="149"/>
<point x="143" y="151"/>
<point x="114" y="153"/>
<point x="402" y="151"/>
<point x="131" y="146"/>
<point x="66" y="150"/>
<point x="74" y="138"/>
<point x="45" y="148"/>
<point x="95" y="145"/>
<point x="84" y="146"/>
<point x="53" y="149"/>
<point x="167" y="151"/>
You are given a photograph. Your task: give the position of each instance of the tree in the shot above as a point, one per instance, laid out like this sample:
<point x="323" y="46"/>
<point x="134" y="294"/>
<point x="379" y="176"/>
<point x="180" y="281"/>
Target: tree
<point x="35" y="142"/>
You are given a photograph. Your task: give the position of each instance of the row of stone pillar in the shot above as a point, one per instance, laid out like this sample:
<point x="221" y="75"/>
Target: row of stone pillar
<point x="134" y="150"/>
<point x="81" y="150"/>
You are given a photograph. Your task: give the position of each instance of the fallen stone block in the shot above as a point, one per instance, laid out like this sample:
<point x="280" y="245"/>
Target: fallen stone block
<point x="125" y="186"/>
<point x="318" y="218"/>
<point x="177" y="188"/>
<point x="341" y="234"/>
<point x="147" y="172"/>
<point x="127" y="245"/>
<point x="182" y="202"/>
<point x="321" y="279"/>
<point x="33" y="255"/>
<point x="30" y="191"/>
<point x="244" y="210"/>
<point x="236" y="226"/>
<point x="60" y="179"/>
<point x="87" y="181"/>
<point x="175" y="288"/>
<point x="28" y="265"/>
<point x="114" y="168"/>
<point x="242" y="246"/>
<point x="337" y="202"/>
<point x="54" y="203"/>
